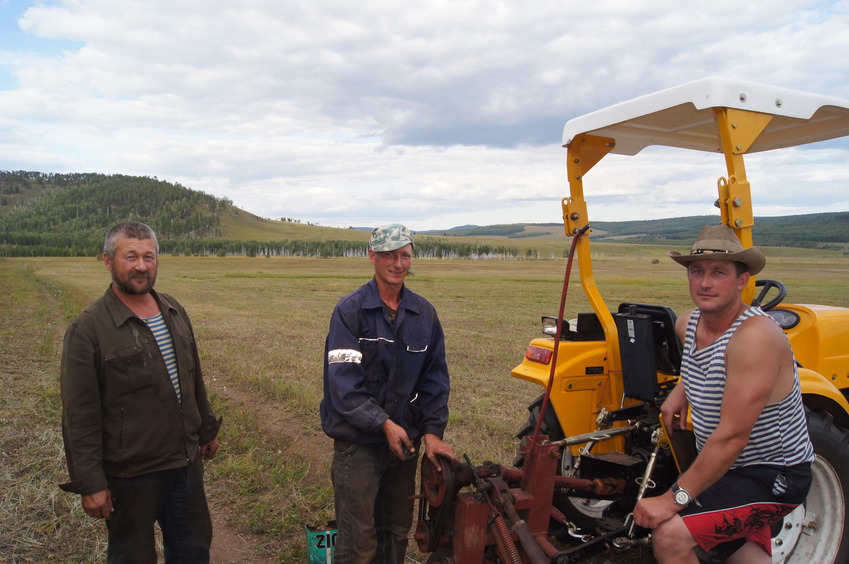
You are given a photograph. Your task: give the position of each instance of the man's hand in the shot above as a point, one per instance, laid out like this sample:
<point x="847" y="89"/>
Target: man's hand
<point x="98" y="504"/>
<point x="675" y="410"/>
<point x="434" y="446"/>
<point x="399" y="441"/>
<point x="652" y="511"/>
<point x="208" y="450"/>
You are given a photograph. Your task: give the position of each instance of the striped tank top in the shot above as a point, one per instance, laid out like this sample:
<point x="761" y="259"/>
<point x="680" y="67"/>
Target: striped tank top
<point x="780" y="435"/>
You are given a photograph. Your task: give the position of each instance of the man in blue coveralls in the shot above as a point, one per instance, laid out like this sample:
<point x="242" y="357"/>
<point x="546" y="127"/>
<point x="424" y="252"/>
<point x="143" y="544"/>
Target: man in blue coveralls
<point x="386" y="391"/>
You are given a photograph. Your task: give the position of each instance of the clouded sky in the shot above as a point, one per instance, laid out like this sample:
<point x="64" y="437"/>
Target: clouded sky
<point x="433" y="113"/>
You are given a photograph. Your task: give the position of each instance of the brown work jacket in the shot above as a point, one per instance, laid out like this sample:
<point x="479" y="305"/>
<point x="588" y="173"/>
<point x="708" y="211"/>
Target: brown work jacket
<point x="120" y="413"/>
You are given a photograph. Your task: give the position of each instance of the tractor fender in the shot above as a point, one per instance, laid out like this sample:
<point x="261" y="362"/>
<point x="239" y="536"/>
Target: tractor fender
<point x="819" y="393"/>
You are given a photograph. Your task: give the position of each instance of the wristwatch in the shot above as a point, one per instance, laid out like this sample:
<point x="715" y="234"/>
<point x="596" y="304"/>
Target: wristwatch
<point x="682" y="496"/>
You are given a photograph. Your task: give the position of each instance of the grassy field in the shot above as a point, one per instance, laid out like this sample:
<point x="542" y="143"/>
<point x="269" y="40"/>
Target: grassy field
<point x="261" y="324"/>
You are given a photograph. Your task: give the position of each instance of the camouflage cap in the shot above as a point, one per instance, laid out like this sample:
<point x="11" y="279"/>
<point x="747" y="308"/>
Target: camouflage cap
<point x="389" y="238"/>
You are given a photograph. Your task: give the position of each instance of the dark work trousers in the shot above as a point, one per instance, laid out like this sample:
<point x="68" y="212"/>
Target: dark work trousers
<point x="173" y="498"/>
<point x="373" y="492"/>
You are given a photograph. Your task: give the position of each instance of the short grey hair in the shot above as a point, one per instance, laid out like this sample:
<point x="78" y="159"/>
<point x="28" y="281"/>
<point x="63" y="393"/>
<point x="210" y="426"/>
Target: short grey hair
<point x="131" y="229"/>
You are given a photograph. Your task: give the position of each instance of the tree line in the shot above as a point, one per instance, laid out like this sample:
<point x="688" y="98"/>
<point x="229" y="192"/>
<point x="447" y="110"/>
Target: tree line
<point x="425" y="248"/>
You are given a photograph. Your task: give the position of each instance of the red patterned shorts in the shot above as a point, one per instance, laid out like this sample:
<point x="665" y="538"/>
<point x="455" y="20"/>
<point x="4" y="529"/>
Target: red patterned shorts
<point x="744" y="503"/>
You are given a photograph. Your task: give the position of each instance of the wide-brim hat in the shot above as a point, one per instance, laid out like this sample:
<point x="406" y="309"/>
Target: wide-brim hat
<point x="390" y="237"/>
<point x="718" y="242"/>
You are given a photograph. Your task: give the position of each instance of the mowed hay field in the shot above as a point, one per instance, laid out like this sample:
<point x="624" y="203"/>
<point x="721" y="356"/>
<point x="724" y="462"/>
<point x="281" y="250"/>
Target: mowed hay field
<point x="261" y="323"/>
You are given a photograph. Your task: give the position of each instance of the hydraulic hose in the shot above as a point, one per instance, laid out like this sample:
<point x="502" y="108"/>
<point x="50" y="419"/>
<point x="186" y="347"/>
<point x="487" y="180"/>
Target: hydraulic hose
<point x="542" y="409"/>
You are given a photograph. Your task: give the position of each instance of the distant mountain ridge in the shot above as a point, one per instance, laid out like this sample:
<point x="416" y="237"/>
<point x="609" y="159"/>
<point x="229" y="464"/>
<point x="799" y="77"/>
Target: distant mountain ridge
<point x="47" y="214"/>
<point x="820" y="230"/>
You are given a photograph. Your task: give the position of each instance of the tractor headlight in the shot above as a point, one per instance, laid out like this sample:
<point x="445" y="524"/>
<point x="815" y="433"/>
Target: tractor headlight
<point x="549" y="327"/>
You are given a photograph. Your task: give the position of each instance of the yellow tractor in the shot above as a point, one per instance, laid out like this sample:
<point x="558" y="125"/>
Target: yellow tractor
<point x="594" y="444"/>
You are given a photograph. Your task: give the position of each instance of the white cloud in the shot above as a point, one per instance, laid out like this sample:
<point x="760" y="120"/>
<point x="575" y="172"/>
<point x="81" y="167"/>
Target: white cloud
<point x="435" y="113"/>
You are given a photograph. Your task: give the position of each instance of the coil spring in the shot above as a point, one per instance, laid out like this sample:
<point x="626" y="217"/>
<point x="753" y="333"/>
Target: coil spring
<point x="504" y="542"/>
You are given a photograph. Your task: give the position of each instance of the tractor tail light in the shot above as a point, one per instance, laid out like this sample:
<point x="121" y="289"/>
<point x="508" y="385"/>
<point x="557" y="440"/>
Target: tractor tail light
<point x="539" y="354"/>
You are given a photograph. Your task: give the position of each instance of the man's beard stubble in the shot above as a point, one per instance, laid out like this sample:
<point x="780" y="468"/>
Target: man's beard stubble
<point x="131" y="290"/>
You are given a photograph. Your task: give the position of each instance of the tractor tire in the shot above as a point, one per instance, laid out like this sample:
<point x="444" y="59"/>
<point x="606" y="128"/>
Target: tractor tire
<point x="818" y="532"/>
<point x="583" y="512"/>
<point x="550" y="427"/>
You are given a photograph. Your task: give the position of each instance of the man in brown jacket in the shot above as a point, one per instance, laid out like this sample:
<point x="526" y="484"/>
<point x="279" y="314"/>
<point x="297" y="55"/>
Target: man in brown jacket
<point x="136" y="420"/>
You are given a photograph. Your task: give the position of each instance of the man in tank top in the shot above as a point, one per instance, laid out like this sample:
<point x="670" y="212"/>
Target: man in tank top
<point x="740" y="386"/>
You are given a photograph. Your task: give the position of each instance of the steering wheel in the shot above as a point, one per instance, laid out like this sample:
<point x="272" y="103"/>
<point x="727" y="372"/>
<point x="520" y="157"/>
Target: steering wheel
<point x="767" y="286"/>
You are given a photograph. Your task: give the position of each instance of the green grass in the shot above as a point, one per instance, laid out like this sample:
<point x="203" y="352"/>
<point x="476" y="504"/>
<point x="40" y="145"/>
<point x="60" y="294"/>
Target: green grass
<point x="261" y="324"/>
<point x="38" y="523"/>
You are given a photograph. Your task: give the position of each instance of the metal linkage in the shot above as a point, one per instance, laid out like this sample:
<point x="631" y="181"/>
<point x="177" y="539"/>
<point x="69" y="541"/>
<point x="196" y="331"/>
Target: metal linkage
<point x="598" y="436"/>
<point x="645" y="482"/>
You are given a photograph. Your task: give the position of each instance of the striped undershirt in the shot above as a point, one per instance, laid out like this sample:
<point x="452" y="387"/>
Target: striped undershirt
<point x="780" y="435"/>
<point x="166" y="346"/>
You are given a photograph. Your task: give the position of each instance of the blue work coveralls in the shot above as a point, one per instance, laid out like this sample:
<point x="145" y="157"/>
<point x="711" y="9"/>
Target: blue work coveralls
<point x="375" y="370"/>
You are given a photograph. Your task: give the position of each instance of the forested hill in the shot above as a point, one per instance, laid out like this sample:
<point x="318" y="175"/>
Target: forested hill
<point x="69" y="214"/>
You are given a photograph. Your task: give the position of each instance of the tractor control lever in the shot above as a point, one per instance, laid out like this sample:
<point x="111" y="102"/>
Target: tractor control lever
<point x="645" y="482"/>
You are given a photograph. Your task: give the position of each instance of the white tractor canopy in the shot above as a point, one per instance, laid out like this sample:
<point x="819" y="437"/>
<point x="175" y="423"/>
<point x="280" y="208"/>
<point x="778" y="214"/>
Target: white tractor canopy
<point x="685" y="117"/>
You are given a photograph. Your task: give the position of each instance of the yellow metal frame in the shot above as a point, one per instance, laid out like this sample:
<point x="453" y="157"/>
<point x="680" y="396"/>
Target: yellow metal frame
<point x="738" y="129"/>
<point x="583" y="154"/>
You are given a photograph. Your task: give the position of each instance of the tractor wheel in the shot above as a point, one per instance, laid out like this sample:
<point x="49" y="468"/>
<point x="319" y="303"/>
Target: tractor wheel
<point x="819" y="530"/>
<point x="583" y="512"/>
<point x="550" y="427"/>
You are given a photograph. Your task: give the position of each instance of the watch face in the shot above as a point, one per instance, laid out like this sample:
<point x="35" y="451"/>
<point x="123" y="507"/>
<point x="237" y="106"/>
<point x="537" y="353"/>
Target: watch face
<point x="682" y="497"/>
